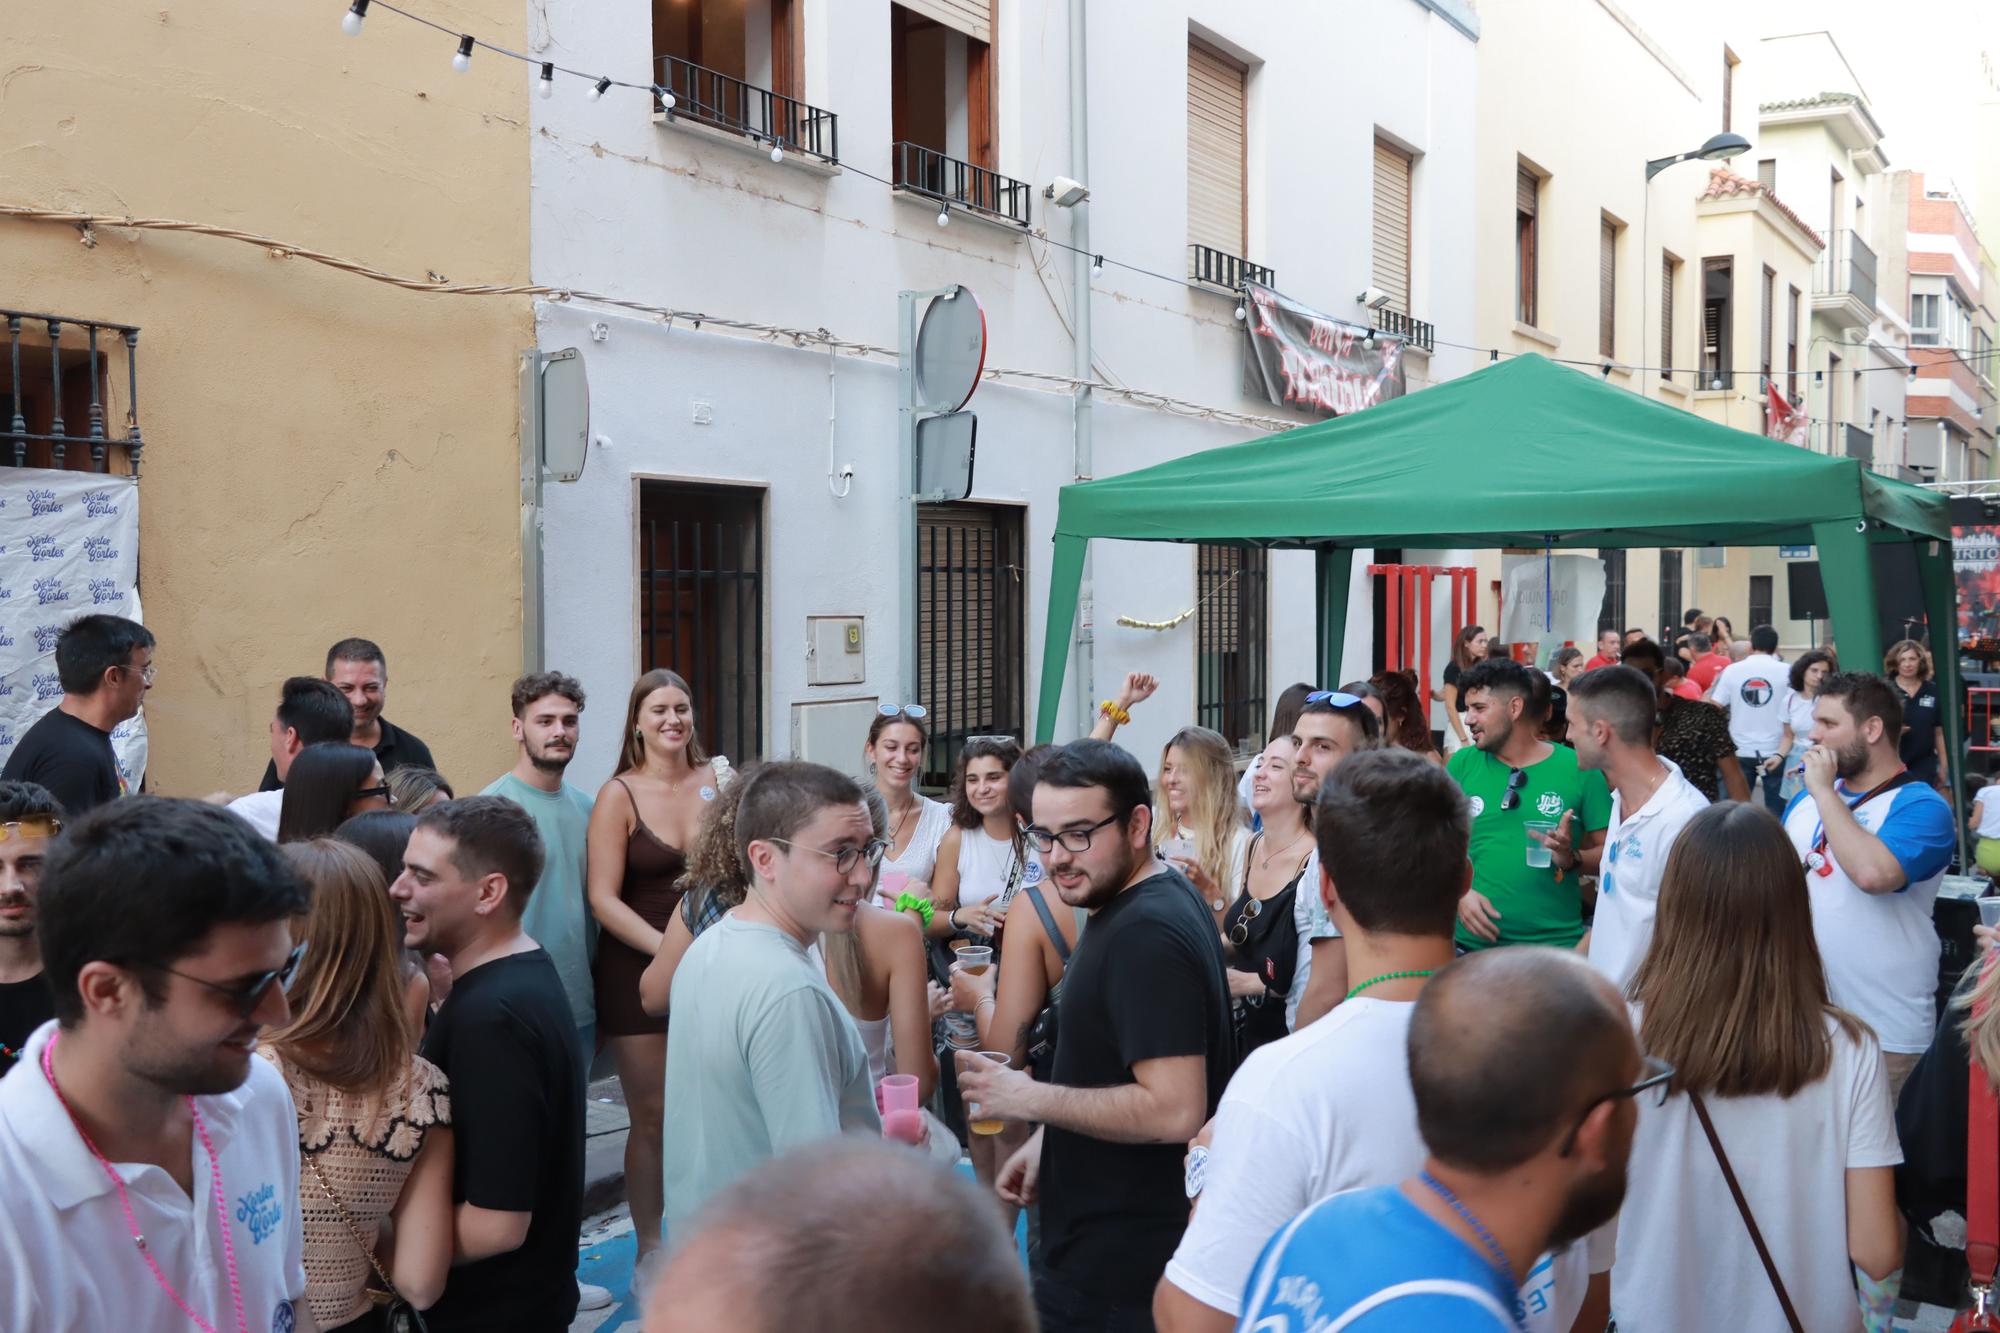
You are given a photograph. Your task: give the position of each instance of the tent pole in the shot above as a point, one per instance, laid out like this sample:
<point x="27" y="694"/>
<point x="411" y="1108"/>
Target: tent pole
<point x="1333" y="567"/>
<point x="1934" y="571"/>
<point x="1848" y="573"/>
<point x="1065" y="578"/>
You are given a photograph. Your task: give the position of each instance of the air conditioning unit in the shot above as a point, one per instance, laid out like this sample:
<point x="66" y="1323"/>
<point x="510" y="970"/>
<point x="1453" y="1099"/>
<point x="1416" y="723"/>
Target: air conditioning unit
<point x="834" y="733"/>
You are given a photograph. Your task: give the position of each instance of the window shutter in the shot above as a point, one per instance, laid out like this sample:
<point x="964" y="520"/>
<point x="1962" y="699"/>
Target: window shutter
<point x="974" y="18"/>
<point x="1215" y="150"/>
<point x="1666" y="313"/>
<point x="1527" y="185"/>
<point x="1607" y="288"/>
<point x="1392" y="225"/>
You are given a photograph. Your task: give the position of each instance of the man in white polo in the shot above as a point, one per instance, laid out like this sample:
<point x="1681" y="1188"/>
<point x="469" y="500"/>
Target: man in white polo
<point x="1753" y="690"/>
<point x="1611" y="712"/>
<point x="152" y="1165"/>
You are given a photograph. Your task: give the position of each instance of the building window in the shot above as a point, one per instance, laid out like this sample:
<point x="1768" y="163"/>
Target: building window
<point x="1527" y="206"/>
<point x="1767" y="173"/>
<point x="1607" y="287"/>
<point x="720" y="37"/>
<point x="971" y="628"/>
<point x="1670" y="593"/>
<point x="1792" y="349"/>
<point x="1218" y="151"/>
<point x="1611" y="615"/>
<point x="1760" y="601"/>
<point x="941" y="83"/>
<point x="1230" y="641"/>
<point x="1668" y="266"/>
<point x="1392" y="225"/>
<point x="1729" y="63"/>
<point x="1717" y="314"/>
<point x="701" y="603"/>
<point x="1925" y="323"/>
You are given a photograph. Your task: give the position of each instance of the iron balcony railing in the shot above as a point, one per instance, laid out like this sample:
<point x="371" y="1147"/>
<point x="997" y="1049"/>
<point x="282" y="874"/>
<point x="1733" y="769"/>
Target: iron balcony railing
<point x="1846" y="267"/>
<point x="1842" y="439"/>
<point x="927" y="172"/>
<point x="43" y="412"/>
<point x="1213" y="267"/>
<point x="710" y="97"/>
<point x="1414" y="331"/>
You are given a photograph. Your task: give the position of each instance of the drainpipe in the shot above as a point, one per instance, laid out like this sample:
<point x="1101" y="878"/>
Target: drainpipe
<point x="1083" y="633"/>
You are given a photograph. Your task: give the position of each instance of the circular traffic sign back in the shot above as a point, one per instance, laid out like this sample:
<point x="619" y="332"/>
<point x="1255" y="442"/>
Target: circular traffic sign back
<point x="951" y="350"/>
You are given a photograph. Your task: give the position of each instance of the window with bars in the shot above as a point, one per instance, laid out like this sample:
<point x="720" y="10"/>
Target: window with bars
<point x="1611" y="615"/>
<point x="1607" y="287"/>
<point x="1717" y="315"/>
<point x="971" y="628"/>
<point x="701" y="604"/>
<point x="1670" y="594"/>
<point x="1668" y="265"/>
<point x="1391" y="267"/>
<point x="1232" y="641"/>
<point x="1527" y="206"/>
<point x="1760" y="600"/>
<point x="1792" y="348"/>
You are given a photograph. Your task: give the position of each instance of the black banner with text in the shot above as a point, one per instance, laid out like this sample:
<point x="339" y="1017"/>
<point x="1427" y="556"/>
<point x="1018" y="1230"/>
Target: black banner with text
<point x="1297" y="357"/>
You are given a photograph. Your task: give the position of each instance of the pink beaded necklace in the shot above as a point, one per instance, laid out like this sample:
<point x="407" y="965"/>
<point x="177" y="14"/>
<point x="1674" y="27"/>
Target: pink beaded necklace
<point x="132" y="1223"/>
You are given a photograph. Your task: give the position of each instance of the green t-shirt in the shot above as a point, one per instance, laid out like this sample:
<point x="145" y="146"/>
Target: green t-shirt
<point x="1533" y="907"/>
<point x="558" y="914"/>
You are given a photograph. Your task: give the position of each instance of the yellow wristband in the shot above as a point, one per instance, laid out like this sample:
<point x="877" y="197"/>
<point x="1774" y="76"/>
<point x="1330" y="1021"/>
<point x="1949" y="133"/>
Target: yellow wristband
<point x="1115" y="713"/>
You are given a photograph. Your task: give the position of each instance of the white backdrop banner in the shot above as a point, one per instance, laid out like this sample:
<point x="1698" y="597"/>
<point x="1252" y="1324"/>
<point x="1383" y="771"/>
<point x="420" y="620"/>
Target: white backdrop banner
<point x="1535" y="614"/>
<point x="69" y="547"/>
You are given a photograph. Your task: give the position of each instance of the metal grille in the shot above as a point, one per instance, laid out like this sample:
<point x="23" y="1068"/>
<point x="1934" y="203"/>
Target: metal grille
<point x="701" y="604"/>
<point x="1670" y="593"/>
<point x="60" y="392"/>
<point x="1611" y="615"/>
<point x="727" y="102"/>
<point x="972" y="624"/>
<point x="930" y="173"/>
<point x="1210" y="265"/>
<point x="1231" y="641"/>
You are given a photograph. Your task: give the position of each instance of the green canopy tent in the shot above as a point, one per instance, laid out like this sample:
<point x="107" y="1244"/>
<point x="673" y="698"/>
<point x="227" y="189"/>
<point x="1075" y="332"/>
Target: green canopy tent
<point x="1524" y="453"/>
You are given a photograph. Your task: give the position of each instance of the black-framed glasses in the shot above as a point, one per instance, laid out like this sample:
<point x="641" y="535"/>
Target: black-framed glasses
<point x="1239" y="934"/>
<point x="1072" y="839"/>
<point x="1516" y="779"/>
<point x="369" y="793"/>
<point x="1656" y="1075"/>
<point x="917" y="711"/>
<point x="246" y="996"/>
<point x="846" y="858"/>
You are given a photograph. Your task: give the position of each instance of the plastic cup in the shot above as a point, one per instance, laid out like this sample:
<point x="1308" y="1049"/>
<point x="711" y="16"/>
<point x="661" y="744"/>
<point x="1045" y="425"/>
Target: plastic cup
<point x="961" y="1031"/>
<point x="896" y="1092"/>
<point x="904" y="1126"/>
<point x="1538" y="855"/>
<point x="974" y="1121"/>
<point x="1177" y="849"/>
<point x="976" y="958"/>
<point x="1989" y="910"/>
<point x="894" y="883"/>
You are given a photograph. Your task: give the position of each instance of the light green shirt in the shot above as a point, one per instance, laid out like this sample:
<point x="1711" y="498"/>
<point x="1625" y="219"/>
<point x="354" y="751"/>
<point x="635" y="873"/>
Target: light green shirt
<point x="761" y="1057"/>
<point x="558" y="916"/>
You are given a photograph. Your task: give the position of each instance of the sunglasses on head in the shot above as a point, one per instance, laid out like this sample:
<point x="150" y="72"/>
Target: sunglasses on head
<point x="1336" y="699"/>
<point x="903" y="710"/>
<point x="1516" y="779"/>
<point x="31" y="826"/>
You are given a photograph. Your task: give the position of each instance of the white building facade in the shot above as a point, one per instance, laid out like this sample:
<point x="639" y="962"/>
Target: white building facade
<point x="738" y="519"/>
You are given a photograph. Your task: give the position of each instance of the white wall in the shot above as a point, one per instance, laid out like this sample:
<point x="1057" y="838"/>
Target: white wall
<point x="656" y="214"/>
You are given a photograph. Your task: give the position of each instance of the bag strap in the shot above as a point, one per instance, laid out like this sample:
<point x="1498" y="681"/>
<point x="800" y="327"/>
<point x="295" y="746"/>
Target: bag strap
<point x="1049" y="923"/>
<point x="367" y="1251"/>
<point x="1982" y="1168"/>
<point x="1743" y="1207"/>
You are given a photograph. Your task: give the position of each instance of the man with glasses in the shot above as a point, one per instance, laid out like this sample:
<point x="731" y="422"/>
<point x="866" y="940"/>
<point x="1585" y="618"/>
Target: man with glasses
<point x="1526" y="1077"/>
<point x="1143" y="1048"/>
<point x="1538" y="820"/>
<point x="105" y="667"/>
<point x="1332" y="725"/>
<point x="505" y="1039"/>
<point x="761" y="1054"/>
<point x="152" y="1163"/>
<point x="29" y="817"/>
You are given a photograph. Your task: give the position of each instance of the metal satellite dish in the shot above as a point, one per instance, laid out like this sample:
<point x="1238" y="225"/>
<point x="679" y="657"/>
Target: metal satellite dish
<point x="944" y="456"/>
<point x="951" y="351"/>
<point x="565" y="414"/>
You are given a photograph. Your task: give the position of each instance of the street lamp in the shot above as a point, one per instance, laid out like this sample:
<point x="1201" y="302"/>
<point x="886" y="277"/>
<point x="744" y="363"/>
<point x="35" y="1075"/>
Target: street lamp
<point x="1718" y="148"/>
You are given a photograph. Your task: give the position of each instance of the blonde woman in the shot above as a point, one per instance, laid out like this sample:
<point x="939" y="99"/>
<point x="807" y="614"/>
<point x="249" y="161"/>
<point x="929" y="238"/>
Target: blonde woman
<point x="1197" y="821"/>
<point x="1908" y="667"/>
<point x="374" y="1116"/>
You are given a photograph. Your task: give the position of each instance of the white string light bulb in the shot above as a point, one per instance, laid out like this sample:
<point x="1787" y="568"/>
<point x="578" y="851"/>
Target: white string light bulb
<point x="666" y="97"/>
<point x="944" y="216"/>
<point x="463" y="60"/>
<point x="598" y="89"/>
<point x="546" y="86"/>
<point x="1097" y="267"/>
<point x="1241" y="313"/>
<point x="356" y="15"/>
<point x="777" y="151"/>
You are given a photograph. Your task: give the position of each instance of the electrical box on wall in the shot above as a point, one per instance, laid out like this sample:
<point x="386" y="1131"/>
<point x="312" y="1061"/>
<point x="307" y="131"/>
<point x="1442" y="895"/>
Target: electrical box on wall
<point x="833" y="733"/>
<point x="835" y="650"/>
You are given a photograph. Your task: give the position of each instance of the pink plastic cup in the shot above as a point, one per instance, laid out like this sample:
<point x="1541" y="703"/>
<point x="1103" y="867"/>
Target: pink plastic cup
<point x="896" y="1092"/>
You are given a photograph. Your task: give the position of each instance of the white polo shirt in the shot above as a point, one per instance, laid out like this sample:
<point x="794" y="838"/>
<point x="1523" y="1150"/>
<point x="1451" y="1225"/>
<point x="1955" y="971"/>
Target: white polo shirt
<point x="1628" y="881"/>
<point x="67" y="1259"/>
<point x="260" y="809"/>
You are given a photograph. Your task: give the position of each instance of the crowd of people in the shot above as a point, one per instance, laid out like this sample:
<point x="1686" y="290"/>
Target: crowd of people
<point x="1598" y="1008"/>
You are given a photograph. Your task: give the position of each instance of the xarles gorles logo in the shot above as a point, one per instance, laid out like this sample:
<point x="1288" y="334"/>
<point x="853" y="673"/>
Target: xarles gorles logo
<point x="1550" y="803"/>
<point x="1757" y="691"/>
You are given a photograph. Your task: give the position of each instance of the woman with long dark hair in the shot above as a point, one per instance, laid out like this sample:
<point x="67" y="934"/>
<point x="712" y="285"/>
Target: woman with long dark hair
<point x="328" y="784"/>
<point x="643" y="818"/>
<point x="1732" y="996"/>
<point x="1467" y="647"/>
<point x="374" y="1116"/>
<point x="982" y="860"/>
<point x="1809" y="672"/>
<point x="1403" y="722"/>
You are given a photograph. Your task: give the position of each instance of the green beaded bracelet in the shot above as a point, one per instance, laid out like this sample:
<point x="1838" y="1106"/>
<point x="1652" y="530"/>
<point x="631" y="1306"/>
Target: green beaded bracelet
<point x="909" y="901"/>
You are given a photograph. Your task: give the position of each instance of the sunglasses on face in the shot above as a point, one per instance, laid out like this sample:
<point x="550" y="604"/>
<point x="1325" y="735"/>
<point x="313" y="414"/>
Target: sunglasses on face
<point x="32" y="826"/>
<point x="245" y="996"/>
<point x="846" y="858"/>
<point x="1516" y="779"/>
<point x="904" y="710"/>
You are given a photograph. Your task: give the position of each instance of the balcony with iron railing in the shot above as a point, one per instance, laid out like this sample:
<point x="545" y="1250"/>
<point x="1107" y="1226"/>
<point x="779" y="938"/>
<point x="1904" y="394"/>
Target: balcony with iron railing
<point x="1413" y="331"/>
<point x="726" y="103"/>
<point x="1217" y="268"/>
<point x="1842" y="439"/>
<point x="59" y="390"/>
<point x="1844" y="278"/>
<point x="932" y="175"/>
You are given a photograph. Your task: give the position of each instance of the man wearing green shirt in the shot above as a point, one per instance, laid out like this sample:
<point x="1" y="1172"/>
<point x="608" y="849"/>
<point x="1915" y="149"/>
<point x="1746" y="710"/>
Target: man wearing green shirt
<point x="547" y="705"/>
<point x="1524" y="886"/>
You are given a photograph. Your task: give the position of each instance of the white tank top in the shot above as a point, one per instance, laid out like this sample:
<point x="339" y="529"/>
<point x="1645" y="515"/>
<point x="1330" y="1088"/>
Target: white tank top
<point x="984" y="864"/>
<point x="919" y="859"/>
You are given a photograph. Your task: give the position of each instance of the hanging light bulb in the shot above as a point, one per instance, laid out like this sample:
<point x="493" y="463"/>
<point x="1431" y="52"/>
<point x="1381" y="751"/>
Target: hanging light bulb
<point x="1241" y="313"/>
<point x="1369" y="340"/>
<point x="463" y="60"/>
<point x="1097" y="267"/>
<point x="547" y="84"/>
<point x="356" y="15"/>
<point x="944" y="216"/>
<point x="1492" y="355"/>
<point x="777" y="151"/>
<point x="598" y="89"/>
<point x="666" y="98"/>
<point x="1913" y="372"/>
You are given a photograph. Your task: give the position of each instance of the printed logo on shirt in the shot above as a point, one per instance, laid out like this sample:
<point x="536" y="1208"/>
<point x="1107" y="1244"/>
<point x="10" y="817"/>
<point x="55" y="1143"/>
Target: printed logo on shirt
<point x="1538" y="1292"/>
<point x="1756" y="691"/>
<point x="1300" y="1293"/>
<point x="1550" y="803"/>
<point x="1032" y="875"/>
<point x="283" y="1319"/>
<point x="1478" y="806"/>
<point x="259" y="1210"/>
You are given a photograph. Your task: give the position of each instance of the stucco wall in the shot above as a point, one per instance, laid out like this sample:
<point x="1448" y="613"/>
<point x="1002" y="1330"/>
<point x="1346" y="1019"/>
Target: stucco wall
<point x="326" y="456"/>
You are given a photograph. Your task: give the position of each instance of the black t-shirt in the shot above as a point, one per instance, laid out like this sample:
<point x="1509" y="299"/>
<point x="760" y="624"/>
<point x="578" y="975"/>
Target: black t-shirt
<point x="397" y="749"/>
<point x="24" y="1006"/>
<point x="1451" y="672"/>
<point x="1920" y="725"/>
<point x="71" y="758"/>
<point x="505" y="1039"/>
<point x="1145" y="983"/>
